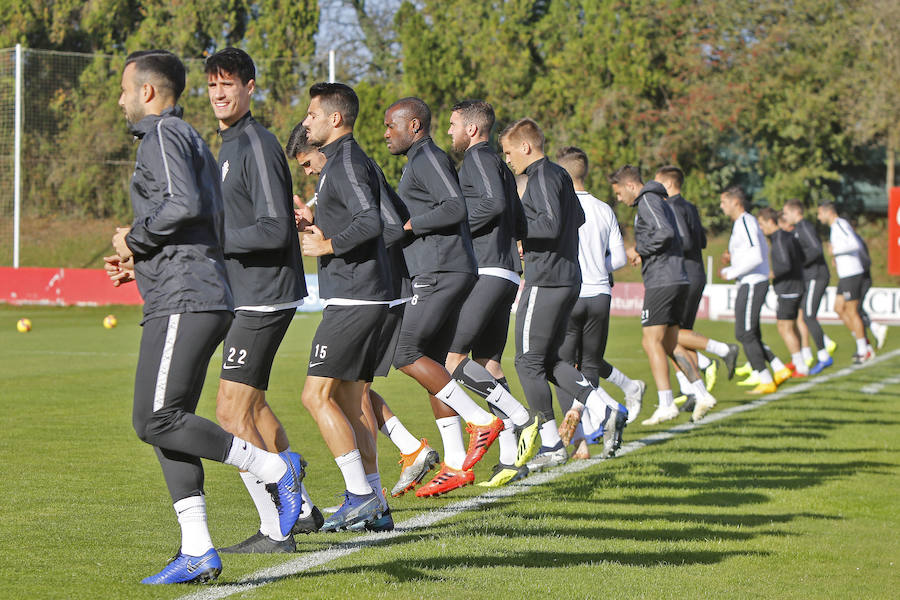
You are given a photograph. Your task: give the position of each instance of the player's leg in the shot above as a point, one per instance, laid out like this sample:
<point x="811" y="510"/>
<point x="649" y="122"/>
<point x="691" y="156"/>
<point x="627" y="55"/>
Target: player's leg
<point x="747" y="331"/>
<point x="786" y="314"/>
<point x="846" y="304"/>
<point x="812" y="302"/>
<point x="693" y="340"/>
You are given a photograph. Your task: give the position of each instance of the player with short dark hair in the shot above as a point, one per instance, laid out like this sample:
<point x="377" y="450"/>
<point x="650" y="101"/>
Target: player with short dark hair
<point x="175" y="247"/>
<point x="552" y="283"/>
<point x="262" y="257"/>
<point x="441" y="262"/>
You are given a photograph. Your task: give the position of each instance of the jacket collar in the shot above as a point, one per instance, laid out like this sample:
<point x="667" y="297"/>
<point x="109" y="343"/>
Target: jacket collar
<point x="235" y="130"/>
<point x="146" y="124"/>
<point x="331" y="149"/>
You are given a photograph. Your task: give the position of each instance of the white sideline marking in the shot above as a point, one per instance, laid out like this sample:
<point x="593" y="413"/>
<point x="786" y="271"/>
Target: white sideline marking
<point x="436" y="515"/>
<point x="874" y="388"/>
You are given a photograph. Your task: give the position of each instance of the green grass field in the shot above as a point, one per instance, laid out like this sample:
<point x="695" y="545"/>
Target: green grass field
<point x="797" y="498"/>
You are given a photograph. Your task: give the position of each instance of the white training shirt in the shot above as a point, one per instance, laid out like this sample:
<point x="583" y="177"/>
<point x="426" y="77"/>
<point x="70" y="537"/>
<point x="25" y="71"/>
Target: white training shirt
<point x="600" y="247"/>
<point x="846" y="249"/>
<point x="749" y="252"/>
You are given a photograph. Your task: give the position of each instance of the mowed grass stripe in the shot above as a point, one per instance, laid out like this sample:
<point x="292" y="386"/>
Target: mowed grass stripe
<point x="339" y="550"/>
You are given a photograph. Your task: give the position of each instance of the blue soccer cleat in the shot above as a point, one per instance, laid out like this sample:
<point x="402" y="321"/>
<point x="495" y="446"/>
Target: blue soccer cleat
<point x="821" y="366"/>
<point x="355" y="509"/>
<point x="188" y="569"/>
<point x="383" y="523"/>
<point x="286" y="493"/>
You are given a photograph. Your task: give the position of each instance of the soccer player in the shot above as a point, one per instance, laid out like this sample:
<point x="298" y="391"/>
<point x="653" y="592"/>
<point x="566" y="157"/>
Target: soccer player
<point x="492" y="207"/>
<point x="693" y="241"/>
<point x="658" y="250"/>
<point x="552" y="283"/>
<point x="175" y="243"/>
<point x="441" y="262"/>
<point x="262" y="257"/>
<point x="879" y="330"/>
<point x="748" y="255"/>
<point x="600" y="252"/>
<point x="354" y="281"/>
<point x="846" y="250"/>
<point x="815" y="281"/>
<point x="417" y="457"/>
<point x="787" y="279"/>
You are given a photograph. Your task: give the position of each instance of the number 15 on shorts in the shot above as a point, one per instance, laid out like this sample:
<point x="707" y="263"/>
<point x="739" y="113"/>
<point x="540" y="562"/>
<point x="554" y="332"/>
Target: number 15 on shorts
<point x="319" y="353"/>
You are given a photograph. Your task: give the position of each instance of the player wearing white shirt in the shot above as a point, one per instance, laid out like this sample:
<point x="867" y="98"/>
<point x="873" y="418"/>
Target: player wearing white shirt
<point x="846" y="249"/>
<point x="748" y="255"/>
<point x="600" y="252"/>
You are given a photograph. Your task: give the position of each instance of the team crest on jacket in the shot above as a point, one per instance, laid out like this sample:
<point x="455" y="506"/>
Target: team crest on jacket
<point x="224" y="170"/>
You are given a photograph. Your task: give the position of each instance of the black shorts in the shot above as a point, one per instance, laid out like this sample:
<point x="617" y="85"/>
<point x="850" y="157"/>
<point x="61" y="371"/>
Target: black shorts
<point x="663" y="305"/>
<point x="483" y="322"/>
<point x="851" y="287"/>
<point x="788" y="307"/>
<point x="250" y="346"/>
<point x="387" y="340"/>
<point x="345" y="346"/>
<point x="692" y="303"/>
<point x="430" y="317"/>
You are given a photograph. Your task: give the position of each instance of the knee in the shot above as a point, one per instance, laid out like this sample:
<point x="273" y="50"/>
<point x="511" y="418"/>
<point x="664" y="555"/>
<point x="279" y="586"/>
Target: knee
<point x="529" y="364"/>
<point x="312" y="400"/>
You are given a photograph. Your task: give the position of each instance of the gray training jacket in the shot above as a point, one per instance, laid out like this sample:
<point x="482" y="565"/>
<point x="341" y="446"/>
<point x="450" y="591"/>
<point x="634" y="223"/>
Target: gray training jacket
<point x="177" y="233"/>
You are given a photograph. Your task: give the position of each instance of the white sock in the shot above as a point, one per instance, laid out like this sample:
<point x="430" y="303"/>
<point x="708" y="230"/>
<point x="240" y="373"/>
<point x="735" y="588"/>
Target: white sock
<point x="765" y="376"/>
<point x="191" y="512"/>
<point x="590" y="421"/>
<point x="622" y="381"/>
<point x="399" y="435"/>
<point x="267" y="466"/>
<point x="665" y="398"/>
<point x="456" y="398"/>
<point x="269" y="523"/>
<point x="861" y="346"/>
<point x="683" y="382"/>
<point x="505" y="401"/>
<point x="703" y="361"/>
<point x="550" y="434"/>
<point x="806" y="353"/>
<point x="351" y="468"/>
<point x="720" y="349"/>
<point x="799" y="363"/>
<point x="509" y="445"/>
<point x="451" y="435"/>
<point x="823" y="355"/>
<point x="374" y="480"/>
<point x="700" y="391"/>
<point x="599" y="398"/>
<point x="776" y="363"/>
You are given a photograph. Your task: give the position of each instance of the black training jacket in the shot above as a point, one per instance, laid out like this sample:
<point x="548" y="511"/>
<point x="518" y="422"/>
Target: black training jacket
<point x="176" y="236"/>
<point x="393" y="216"/>
<point x="429" y="188"/>
<point x="787" y="263"/>
<point x="814" y="265"/>
<point x="493" y="205"/>
<point x="262" y="252"/>
<point x="693" y="236"/>
<point x="656" y="238"/>
<point x="553" y="215"/>
<point x="348" y="212"/>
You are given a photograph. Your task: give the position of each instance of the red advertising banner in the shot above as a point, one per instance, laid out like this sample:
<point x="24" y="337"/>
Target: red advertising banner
<point x="65" y="287"/>
<point x="894" y="232"/>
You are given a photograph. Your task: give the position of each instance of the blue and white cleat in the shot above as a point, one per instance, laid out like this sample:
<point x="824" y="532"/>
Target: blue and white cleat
<point x="383" y="523"/>
<point x="188" y="569"/>
<point x="821" y="366"/>
<point x="612" y="431"/>
<point x="286" y="493"/>
<point x="355" y="509"/>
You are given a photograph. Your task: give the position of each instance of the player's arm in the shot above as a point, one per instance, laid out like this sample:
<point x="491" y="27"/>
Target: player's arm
<point x="747" y="254"/>
<point x="809" y="243"/>
<point x="696" y="226"/>
<point x="843" y="241"/>
<point x="658" y="231"/>
<point x="489" y="198"/>
<point x="615" y="256"/>
<point x="544" y="209"/>
<point x="268" y="183"/>
<point x="358" y="189"/>
<point x="684" y="232"/>
<point x="169" y="155"/>
<point x="449" y="207"/>
<point x="781" y="257"/>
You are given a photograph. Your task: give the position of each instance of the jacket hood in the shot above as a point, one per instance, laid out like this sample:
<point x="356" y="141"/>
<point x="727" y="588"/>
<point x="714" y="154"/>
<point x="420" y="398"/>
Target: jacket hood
<point x="140" y="129"/>
<point x="654" y="187"/>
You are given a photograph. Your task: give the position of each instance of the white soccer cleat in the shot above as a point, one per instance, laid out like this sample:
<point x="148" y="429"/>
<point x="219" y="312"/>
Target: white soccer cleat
<point x="880" y="331"/>
<point x="661" y="415"/>
<point x="634" y="401"/>
<point x="702" y="405"/>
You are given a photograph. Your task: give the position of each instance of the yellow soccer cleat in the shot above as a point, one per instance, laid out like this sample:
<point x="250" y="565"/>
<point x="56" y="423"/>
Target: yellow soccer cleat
<point x="782" y="375"/>
<point x="763" y="388"/>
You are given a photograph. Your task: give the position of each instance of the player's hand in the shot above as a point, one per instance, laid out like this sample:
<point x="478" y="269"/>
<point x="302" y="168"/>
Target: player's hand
<point x="722" y="274"/>
<point x="633" y="257"/>
<point x="118" y="242"/>
<point x="314" y="243"/>
<point x="117" y="270"/>
<point x="407" y="226"/>
<point x="521" y="249"/>
<point x="303" y="215"/>
<point x="726" y="258"/>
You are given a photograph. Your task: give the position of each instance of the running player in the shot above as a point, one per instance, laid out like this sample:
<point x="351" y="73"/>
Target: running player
<point x="175" y="247"/>
<point x="693" y="241"/>
<point x="552" y="283"/>
<point x="846" y="250"/>
<point x="658" y="250"/>
<point x="787" y="279"/>
<point x="354" y="281"/>
<point x="441" y="262"/>
<point x="492" y="207"/>
<point x="600" y="252"/>
<point x="262" y="257"/>
<point x="878" y="330"/>
<point x="748" y="260"/>
<point x="815" y="281"/>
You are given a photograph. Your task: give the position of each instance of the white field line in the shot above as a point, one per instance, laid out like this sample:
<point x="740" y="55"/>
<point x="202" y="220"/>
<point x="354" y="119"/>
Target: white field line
<point x="351" y="546"/>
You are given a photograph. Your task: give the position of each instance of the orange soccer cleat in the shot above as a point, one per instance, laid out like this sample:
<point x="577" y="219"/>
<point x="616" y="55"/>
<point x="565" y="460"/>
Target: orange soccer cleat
<point x="480" y="439"/>
<point x="446" y="480"/>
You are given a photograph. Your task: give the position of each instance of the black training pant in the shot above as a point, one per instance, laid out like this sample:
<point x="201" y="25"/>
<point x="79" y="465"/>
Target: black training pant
<point x="585" y="342"/>
<point x="749" y="302"/>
